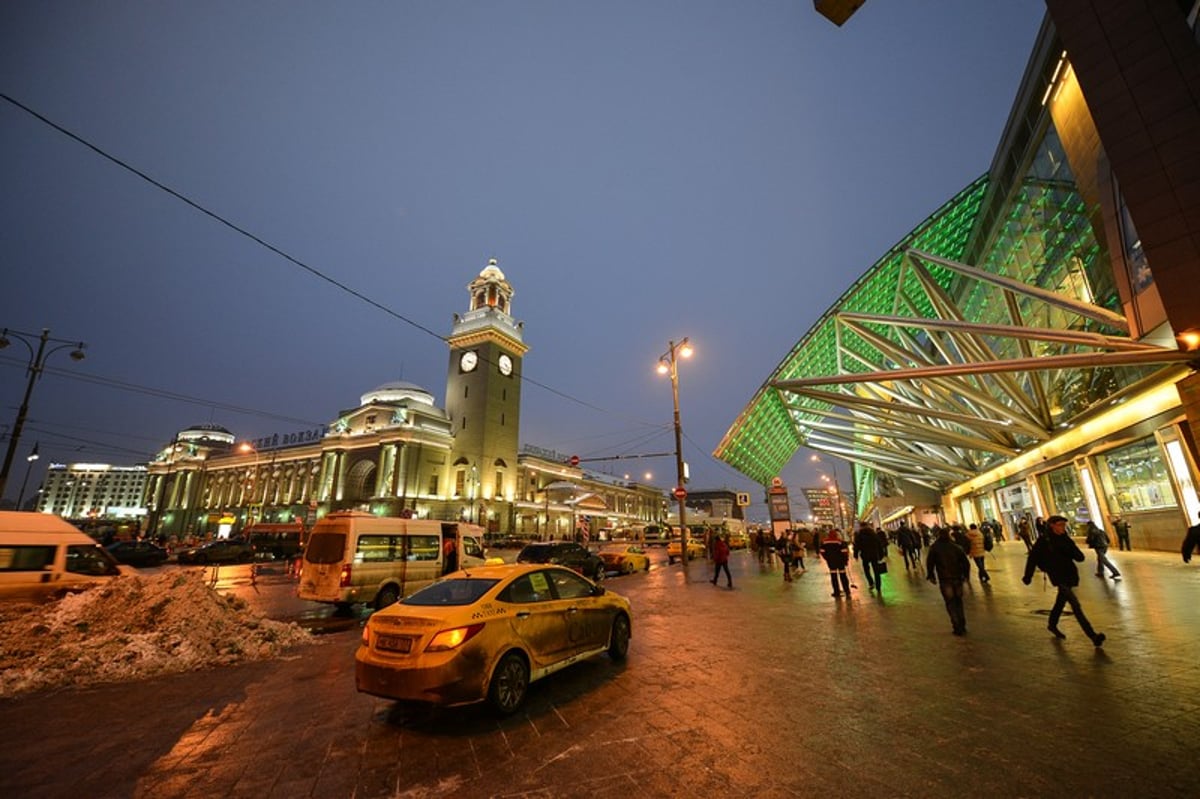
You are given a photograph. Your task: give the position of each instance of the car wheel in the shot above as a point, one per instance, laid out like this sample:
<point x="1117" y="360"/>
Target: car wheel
<point x="628" y="567"/>
<point x="670" y="560"/>
<point x="598" y="574"/>
<point x="388" y="595"/>
<point x="647" y="566"/>
<point x="510" y="682"/>
<point x="618" y="639"/>
<point x="201" y="559"/>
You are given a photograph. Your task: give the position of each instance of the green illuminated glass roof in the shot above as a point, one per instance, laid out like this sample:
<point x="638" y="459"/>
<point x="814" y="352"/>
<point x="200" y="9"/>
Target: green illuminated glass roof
<point x="931" y="370"/>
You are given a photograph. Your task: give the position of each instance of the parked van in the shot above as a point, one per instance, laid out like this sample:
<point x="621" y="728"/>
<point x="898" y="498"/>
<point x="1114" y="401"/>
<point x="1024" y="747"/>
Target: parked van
<point x="275" y="541"/>
<point x="43" y="557"/>
<point x="354" y="557"/>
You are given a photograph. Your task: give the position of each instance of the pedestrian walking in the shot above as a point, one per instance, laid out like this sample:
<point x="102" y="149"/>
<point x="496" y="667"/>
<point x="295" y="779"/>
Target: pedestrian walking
<point x="836" y="554"/>
<point x="977" y="550"/>
<point x="909" y="547"/>
<point x="1121" y="528"/>
<point x="870" y="549"/>
<point x="1056" y="554"/>
<point x="720" y="556"/>
<point x="783" y="549"/>
<point x="947" y="567"/>
<point x="959" y="536"/>
<point x="1097" y="539"/>
<point x="1023" y="533"/>
<point x="796" y="551"/>
<point x="1190" y="541"/>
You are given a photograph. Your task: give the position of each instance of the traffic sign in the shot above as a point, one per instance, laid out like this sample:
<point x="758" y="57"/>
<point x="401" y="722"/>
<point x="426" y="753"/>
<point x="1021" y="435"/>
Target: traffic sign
<point x="573" y="460"/>
<point x="680" y="492"/>
<point x="743" y="499"/>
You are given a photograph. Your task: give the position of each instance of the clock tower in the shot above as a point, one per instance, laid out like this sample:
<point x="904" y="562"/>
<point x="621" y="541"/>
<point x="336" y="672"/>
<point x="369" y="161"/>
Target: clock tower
<point x="483" y="400"/>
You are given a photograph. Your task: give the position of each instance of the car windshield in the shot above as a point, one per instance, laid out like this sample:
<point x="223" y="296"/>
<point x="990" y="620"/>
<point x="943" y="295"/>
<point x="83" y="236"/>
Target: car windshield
<point x="326" y="548"/>
<point x="535" y="554"/>
<point x="457" y="591"/>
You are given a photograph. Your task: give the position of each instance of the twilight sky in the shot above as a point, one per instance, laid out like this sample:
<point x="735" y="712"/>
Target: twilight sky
<point x="643" y="170"/>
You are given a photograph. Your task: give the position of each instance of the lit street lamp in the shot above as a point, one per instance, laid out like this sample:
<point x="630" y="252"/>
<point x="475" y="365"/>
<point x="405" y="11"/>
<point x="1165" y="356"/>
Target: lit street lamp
<point x="30" y="458"/>
<point x="667" y="364"/>
<point x="245" y="448"/>
<point x="35" y="367"/>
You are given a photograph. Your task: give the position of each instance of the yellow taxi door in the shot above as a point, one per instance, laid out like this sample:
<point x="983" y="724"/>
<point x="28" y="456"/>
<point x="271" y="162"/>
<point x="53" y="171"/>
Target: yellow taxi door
<point x="587" y="621"/>
<point x="540" y="620"/>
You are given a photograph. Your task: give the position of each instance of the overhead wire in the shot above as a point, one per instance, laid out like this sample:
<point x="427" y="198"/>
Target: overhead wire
<point x="315" y="272"/>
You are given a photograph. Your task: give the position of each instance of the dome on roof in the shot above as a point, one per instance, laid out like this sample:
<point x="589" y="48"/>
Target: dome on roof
<point x="491" y="271"/>
<point x="206" y="432"/>
<point x="397" y="391"/>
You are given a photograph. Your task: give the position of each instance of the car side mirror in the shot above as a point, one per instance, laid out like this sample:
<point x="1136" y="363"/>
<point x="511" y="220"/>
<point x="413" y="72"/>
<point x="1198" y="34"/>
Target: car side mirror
<point x="599" y="591"/>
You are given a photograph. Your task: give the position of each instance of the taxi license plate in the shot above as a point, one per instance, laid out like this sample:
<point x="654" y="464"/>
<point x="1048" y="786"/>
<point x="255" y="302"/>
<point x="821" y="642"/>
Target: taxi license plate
<point x="393" y="643"/>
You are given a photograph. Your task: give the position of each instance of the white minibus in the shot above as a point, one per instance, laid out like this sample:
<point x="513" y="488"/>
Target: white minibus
<point x="43" y="557"/>
<point x="354" y="557"/>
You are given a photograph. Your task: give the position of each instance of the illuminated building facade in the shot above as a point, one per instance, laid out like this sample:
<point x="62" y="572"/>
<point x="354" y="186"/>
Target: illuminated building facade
<point x="1030" y="348"/>
<point x="93" y="491"/>
<point x="397" y="453"/>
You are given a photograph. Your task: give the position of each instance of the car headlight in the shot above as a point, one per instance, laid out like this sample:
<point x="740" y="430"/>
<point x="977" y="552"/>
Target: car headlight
<point x="452" y="639"/>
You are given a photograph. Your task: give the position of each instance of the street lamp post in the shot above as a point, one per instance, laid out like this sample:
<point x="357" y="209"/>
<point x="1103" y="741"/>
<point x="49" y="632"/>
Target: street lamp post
<point x="245" y="448"/>
<point x="30" y="458"/>
<point x="668" y="364"/>
<point x="37" y="364"/>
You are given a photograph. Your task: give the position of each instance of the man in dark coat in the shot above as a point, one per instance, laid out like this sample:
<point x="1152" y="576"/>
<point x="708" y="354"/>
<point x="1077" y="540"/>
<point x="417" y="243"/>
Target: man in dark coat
<point x="1056" y="555"/>
<point x="870" y="548"/>
<point x="947" y="566"/>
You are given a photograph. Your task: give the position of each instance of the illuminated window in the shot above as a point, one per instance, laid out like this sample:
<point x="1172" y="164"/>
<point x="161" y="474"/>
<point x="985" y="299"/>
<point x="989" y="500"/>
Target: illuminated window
<point x="1135" y="477"/>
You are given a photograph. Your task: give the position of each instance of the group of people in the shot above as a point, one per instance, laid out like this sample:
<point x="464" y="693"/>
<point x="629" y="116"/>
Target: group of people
<point x="1054" y="554"/>
<point x="951" y="551"/>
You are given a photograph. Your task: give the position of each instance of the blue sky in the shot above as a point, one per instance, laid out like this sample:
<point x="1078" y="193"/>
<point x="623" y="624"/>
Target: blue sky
<point x="643" y="171"/>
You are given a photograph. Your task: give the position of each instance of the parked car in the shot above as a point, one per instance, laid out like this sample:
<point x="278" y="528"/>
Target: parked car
<point x="275" y="541"/>
<point x="695" y="550"/>
<point x="138" y="553"/>
<point x="223" y="550"/>
<point x="486" y="633"/>
<point x="624" y="558"/>
<point x="564" y="553"/>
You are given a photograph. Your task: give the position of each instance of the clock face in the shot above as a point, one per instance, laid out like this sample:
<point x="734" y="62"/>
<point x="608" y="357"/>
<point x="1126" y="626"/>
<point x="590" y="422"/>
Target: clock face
<point x="468" y="361"/>
<point x="505" y="365"/>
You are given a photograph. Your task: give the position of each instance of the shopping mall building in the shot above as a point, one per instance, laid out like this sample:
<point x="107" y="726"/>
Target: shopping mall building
<point x="1031" y="347"/>
<point x="397" y="453"/>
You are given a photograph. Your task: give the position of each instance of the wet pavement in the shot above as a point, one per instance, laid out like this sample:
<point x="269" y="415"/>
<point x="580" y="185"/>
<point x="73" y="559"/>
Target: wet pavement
<point x="771" y="689"/>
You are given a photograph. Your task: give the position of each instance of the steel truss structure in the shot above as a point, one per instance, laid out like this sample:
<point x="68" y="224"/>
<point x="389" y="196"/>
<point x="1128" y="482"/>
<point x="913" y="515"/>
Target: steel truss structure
<point x="931" y="370"/>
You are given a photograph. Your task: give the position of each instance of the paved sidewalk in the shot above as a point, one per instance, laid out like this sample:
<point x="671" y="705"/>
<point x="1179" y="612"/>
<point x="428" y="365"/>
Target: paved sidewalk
<point x="768" y="690"/>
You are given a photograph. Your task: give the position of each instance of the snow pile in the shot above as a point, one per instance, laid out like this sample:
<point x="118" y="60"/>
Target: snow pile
<point x="130" y="628"/>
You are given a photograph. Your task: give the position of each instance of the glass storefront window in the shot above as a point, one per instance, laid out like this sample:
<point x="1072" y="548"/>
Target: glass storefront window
<point x="1135" y="477"/>
<point x="1066" y="494"/>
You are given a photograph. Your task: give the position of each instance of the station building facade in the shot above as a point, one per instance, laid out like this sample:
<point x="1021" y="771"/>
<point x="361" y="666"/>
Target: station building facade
<point x="1031" y="347"/>
<point x="397" y="453"/>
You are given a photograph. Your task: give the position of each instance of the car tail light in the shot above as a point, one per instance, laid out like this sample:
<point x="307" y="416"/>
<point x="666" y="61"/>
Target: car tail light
<point x="345" y="581"/>
<point x="452" y="639"/>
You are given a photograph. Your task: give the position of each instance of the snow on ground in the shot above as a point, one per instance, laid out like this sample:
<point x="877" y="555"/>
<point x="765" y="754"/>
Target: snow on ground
<point x="133" y="627"/>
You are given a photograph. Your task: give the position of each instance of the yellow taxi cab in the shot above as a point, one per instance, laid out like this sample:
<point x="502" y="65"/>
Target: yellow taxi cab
<point x="486" y="633"/>
<point x="695" y="550"/>
<point x="738" y="541"/>
<point x="624" y="558"/>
